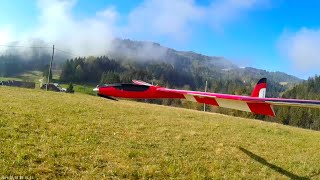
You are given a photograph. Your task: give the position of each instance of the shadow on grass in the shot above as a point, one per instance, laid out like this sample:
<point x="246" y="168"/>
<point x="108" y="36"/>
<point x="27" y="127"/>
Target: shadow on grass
<point x="272" y="166"/>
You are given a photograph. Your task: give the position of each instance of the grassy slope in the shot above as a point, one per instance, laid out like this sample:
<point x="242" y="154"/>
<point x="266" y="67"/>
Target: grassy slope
<point x="36" y="76"/>
<point x="50" y="135"/>
<point x="30" y="76"/>
<point x="85" y="89"/>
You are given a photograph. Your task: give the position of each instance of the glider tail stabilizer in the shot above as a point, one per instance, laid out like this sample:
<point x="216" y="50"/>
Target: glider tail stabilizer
<point x="260" y="89"/>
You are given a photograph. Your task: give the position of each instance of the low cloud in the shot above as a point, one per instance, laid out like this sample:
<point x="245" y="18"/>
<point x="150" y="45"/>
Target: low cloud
<point x="177" y="19"/>
<point x="223" y="12"/>
<point x="85" y="36"/>
<point x="166" y="19"/>
<point x="302" y="48"/>
<point x="6" y="36"/>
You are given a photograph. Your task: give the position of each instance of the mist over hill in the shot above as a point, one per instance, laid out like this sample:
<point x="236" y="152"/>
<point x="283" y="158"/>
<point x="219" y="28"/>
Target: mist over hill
<point x="151" y="51"/>
<point x="36" y="56"/>
<point x="144" y="51"/>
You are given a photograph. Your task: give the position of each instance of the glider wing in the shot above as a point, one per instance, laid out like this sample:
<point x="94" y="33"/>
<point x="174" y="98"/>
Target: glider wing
<point x="226" y="101"/>
<point x="255" y="105"/>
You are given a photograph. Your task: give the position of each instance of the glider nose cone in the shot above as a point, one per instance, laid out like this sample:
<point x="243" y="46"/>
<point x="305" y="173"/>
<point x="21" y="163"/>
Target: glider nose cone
<point x="96" y="89"/>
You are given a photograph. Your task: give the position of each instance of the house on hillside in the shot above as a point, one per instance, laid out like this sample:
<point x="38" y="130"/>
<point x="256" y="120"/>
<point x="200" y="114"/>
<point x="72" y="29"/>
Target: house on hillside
<point x="14" y="83"/>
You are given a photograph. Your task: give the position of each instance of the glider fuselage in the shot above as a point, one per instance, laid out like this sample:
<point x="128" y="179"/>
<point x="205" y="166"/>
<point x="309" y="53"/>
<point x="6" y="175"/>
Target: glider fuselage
<point x="128" y="90"/>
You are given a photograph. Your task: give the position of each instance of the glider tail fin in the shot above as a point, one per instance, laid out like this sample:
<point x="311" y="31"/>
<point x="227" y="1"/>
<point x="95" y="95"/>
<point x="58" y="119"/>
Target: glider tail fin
<point x="260" y="89"/>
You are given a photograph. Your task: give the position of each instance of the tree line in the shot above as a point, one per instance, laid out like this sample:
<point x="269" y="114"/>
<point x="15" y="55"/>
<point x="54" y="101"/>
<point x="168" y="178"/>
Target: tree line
<point x="302" y="117"/>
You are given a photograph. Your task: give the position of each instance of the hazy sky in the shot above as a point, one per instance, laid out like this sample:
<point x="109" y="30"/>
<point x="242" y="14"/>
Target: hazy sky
<point x="276" y="35"/>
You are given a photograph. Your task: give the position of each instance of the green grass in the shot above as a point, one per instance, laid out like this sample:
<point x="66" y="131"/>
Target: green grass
<point x="30" y="76"/>
<point x="51" y="135"/>
<point x="36" y="76"/>
<point x="8" y="78"/>
<point x="85" y="89"/>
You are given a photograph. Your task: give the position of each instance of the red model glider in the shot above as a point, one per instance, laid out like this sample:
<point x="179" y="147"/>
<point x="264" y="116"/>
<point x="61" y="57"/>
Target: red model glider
<point x="256" y="103"/>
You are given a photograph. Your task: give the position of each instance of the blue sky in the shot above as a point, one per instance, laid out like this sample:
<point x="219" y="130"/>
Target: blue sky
<point x="280" y="35"/>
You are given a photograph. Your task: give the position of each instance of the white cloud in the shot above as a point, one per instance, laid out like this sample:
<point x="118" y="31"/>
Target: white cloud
<point x="223" y="12"/>
<point x="6" y="35"/>
<point x="165" y="17"/>
<point x="168" y="19"/>
<point x="89" y="36"/>
<point x="110" y="14"/>
<point x="302" y="48"/>
<point x="176" y="19"/>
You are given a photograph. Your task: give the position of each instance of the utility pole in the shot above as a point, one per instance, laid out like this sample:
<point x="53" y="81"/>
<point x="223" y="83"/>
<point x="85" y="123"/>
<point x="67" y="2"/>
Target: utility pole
<point x="50" y="68"/>
<point x="205" y="90"/>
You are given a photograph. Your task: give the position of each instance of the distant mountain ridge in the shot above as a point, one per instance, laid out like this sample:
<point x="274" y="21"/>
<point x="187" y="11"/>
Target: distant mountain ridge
<point x="277" y="76"/>
<point x="150" y="51"/>
<point x="145" y="51"/>
<point x="14" y="62"/>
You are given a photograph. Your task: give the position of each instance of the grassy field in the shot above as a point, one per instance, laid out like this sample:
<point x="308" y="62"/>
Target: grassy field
<point x="85" y="89"/>
<point x="8" y="78"/>
<point x="50" y="135"/>
<point x="36" y="76"/>
<point x="30" y="76"/>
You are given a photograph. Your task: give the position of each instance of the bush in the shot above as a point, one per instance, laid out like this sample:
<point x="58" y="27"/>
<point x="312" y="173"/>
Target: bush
<point x="70" y="88"/>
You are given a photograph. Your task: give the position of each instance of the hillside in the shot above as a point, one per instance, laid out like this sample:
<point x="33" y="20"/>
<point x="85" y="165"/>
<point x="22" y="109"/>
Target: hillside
<point x="54" y="135"/>
<point x="303" y="117"/>
<point x="150" y="51"/>
<point x="144" y="51"/>
<point x="138" y="55"/>
<point x="279" y="77"/>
